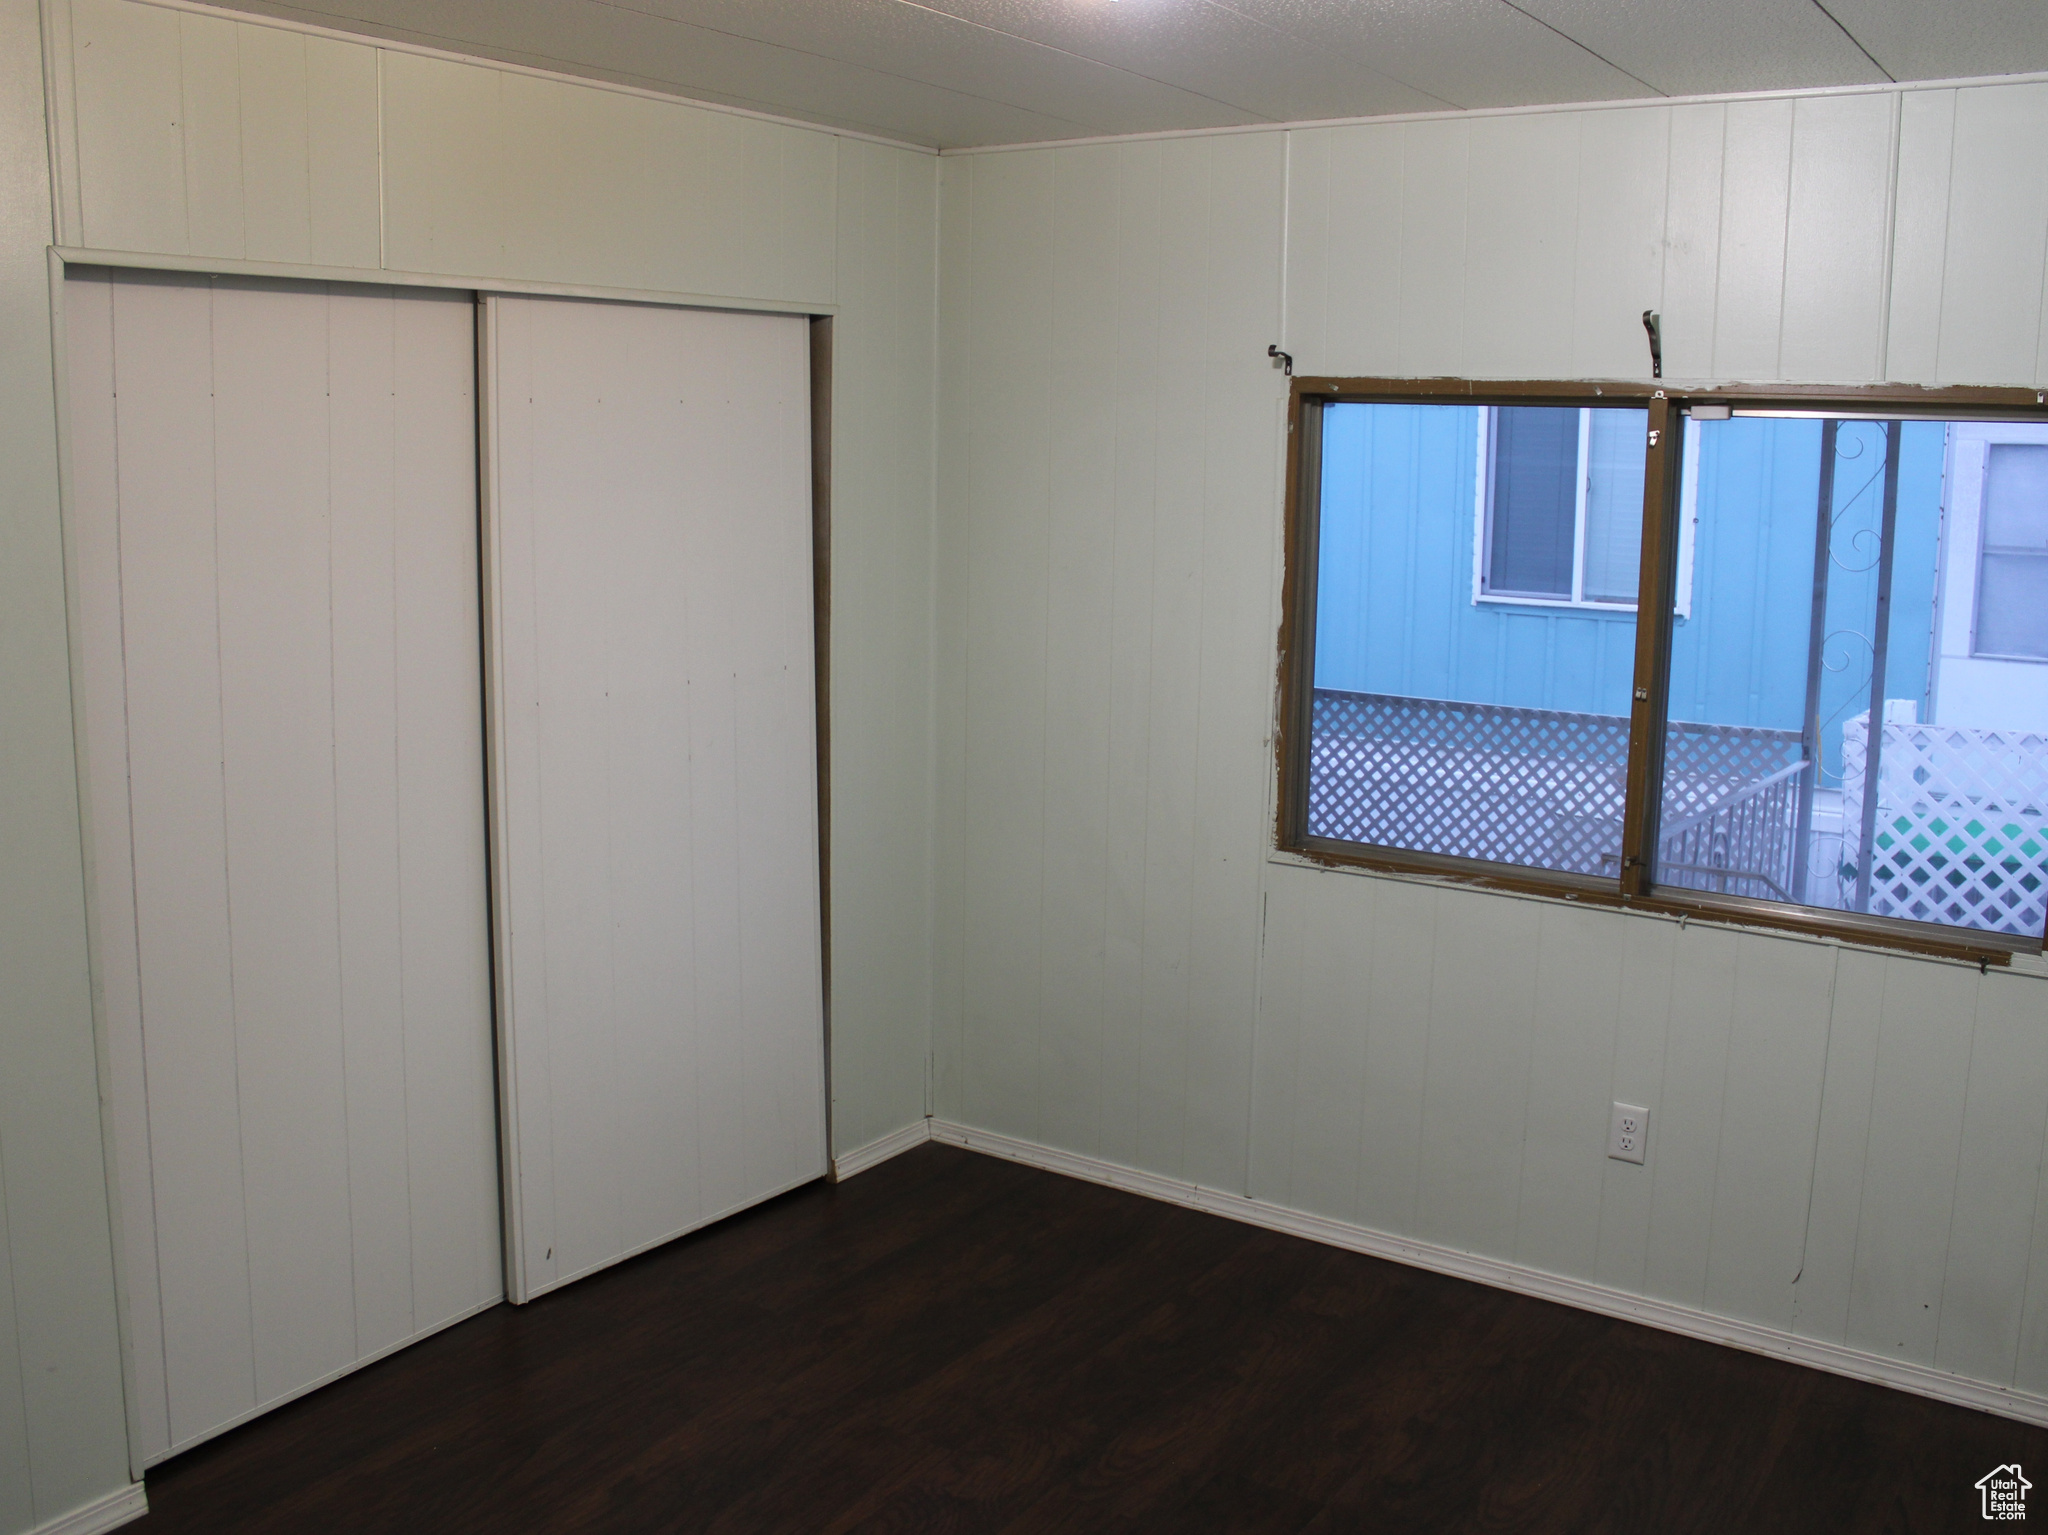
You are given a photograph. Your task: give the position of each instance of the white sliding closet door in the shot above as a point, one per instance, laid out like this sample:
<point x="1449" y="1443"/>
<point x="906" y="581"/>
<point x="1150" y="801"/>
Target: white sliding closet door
<point x="648" y="504"/>
<point x="275" y="524"/>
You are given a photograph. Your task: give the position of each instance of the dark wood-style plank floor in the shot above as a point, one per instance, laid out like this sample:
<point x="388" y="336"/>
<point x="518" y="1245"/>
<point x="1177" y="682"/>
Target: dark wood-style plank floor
<point x="953" y="1343"/>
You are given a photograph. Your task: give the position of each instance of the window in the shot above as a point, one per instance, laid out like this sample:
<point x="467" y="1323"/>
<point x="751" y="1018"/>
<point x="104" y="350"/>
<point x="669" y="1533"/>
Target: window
<point x="1840" y="723"/>
<point x="2012" y="585"/>
<point x="1559" y="509"/>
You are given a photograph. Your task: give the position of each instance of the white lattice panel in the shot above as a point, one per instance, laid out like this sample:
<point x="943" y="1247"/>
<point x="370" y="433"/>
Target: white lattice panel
<point x="1961" y="828"/>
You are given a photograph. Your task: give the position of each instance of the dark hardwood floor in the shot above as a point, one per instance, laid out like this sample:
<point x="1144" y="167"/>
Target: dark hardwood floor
<point x="953" y="1343"/>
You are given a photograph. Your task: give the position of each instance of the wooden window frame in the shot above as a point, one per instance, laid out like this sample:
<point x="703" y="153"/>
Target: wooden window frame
<point x="1662" y="495"/>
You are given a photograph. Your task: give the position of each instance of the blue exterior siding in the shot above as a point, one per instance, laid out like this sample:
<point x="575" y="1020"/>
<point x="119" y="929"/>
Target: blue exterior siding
<point x="1395" y="612"/>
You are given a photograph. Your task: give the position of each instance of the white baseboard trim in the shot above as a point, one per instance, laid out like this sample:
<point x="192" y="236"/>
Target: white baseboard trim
<point x="108" y="1512"/>
<point x="896" y="1142"/>
<point x="1900" y="1374"/>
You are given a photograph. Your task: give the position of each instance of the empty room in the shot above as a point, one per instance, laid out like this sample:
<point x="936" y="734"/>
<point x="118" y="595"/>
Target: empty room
<point x="1023" y="765"/>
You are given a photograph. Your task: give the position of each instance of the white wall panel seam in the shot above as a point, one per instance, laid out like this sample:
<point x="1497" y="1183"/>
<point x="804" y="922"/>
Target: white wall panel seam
<point x="1956" y="1183"/>
<point x="334" y="794"/>
<point x="1869" y="1119"/>
<point x="1785" y="243"/>
<point x="1889" y="255"/>
<point x="383" y="172"/>
<point x="227" y="822"/>
<point x="1720" y="247"/>
<point x="1819" y="1117"/>
<point x="1948" y="209"/>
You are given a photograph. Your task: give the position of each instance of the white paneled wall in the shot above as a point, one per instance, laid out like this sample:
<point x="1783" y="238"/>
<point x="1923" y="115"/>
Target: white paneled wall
<point x="1107" y="420"/>
<point x="1845" y="1146"/>
<point x="1766" y="233"/>
<point x="882" y="580"/>
<point x="275" y="518"/>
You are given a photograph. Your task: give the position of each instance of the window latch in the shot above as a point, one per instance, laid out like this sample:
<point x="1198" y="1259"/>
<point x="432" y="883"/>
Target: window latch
<point x="1642" y="695"/>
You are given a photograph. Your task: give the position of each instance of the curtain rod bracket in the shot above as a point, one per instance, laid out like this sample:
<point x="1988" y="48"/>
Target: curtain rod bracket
<point x="1286" y="358"/>
<point x="1655" y="326"/>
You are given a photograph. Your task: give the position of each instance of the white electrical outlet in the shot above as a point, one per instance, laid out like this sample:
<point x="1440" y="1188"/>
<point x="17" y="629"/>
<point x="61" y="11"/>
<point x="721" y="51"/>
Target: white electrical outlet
<point x="1628" y="1135"/>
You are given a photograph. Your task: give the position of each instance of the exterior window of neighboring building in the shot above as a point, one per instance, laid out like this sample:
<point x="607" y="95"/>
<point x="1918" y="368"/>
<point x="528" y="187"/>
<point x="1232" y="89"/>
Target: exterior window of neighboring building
<point x="1560" y="507"/>
<point x="2012" y="589"/>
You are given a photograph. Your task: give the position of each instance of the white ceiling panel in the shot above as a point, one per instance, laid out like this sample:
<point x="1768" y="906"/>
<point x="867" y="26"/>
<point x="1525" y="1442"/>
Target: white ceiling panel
<point x="1471" y="53"/>
<point x="1223" y="52"/>
<point x="926" y="44"/>
<point x="1694" y="47"/>
<point x="959" y="73"/>
<point x="1919" y="40"/>
<point x="600" y="42"/>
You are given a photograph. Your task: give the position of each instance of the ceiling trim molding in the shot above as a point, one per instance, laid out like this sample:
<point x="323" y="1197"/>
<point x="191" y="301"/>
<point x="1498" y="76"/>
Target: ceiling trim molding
<point x="452" y="55"/>
<point x="1540" y="109"/>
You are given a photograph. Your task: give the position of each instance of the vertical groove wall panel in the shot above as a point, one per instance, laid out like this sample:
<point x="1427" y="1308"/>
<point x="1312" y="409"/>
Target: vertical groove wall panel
<point x="1770" y="1108"/>
<point x="202" y="136"/>
<point x="209" y="67"/>
<point x="1635" y="1075"/>
<point x="1081" y="568"/>
<point x="1475" y="1082"/>
<point x="249" y="516"/>
<point x="1914" y="1144"/>
<point x="1521" y="237"/>
<point x="1755" y="184"/>
<point x="953" y="568"/>
<point x="1141" y="244"/>
<point x="1927" y="124"/>
<point x="1836" y="239"/>
<point x="1239" y="609"/>
<point x="1006" y="640"/>
<point x="1692" y="238"/>
<point x="510" y="174"/>
<point x="1998" y="1181"/>
<point x="1997" y="230"/>
<point x="343" y="173"/>
<point x="1178" y="447"/>
<point x="128" y="80"/>
<point x="1361" y="252"/>
<point x="277" y="214"/>
<point x="1623" y="194"/>
<point x="1820" y="1298"/>
<point x="883" y="823"/>
<point x="1577" y="983"/>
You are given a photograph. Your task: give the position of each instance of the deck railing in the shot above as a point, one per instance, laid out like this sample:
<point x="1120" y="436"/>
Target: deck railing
<point x="1544" y="787"/>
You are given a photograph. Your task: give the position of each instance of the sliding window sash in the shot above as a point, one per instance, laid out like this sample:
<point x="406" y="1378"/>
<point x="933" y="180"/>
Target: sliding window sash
<point x="1656" y="595"/>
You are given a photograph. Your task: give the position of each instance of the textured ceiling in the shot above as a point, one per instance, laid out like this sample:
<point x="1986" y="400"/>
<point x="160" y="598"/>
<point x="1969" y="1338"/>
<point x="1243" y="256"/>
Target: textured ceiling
<point x="956" y="73"/>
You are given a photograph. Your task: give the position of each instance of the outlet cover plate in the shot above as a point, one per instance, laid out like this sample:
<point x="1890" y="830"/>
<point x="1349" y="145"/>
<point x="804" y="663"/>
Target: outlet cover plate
<point x="1628" y="1133"/>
